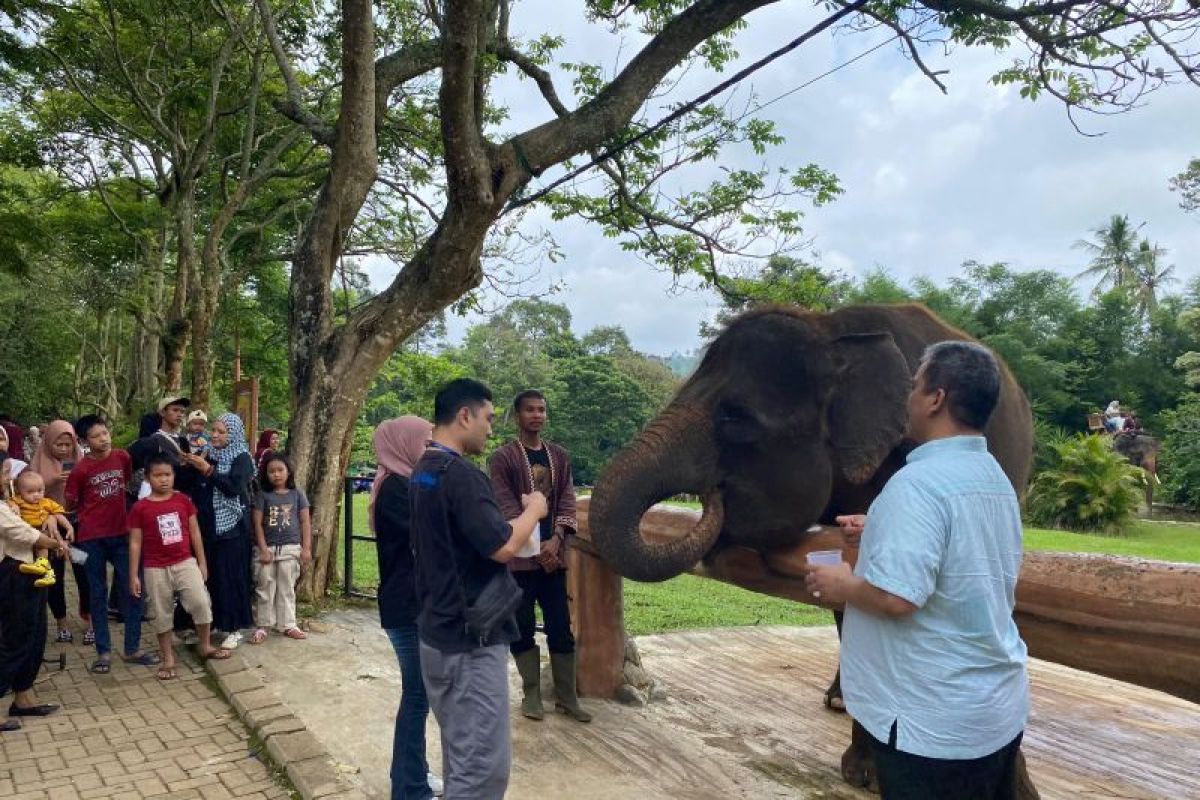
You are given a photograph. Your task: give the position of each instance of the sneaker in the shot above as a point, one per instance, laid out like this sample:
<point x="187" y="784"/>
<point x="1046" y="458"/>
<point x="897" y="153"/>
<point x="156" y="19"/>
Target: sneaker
<point x="232" y="641"/>
<point x="46" y="580"/>
<point x="436" y="785"/>
<point x="39" y="567"/>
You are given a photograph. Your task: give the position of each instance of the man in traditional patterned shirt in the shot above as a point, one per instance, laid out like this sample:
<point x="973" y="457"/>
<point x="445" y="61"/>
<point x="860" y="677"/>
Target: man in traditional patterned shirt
<point x="526" y="464"/>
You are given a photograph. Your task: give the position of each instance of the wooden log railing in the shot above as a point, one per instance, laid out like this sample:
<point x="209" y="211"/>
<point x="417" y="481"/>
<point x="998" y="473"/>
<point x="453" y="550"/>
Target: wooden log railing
<point x="1131" y="619"/>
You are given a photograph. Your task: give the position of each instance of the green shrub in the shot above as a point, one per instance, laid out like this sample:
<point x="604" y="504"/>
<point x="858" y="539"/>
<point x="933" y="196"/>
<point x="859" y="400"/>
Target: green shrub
<point x="1179" y="463"/>
<point x="1091" y="488"/>
<point x="1047" y="438"/>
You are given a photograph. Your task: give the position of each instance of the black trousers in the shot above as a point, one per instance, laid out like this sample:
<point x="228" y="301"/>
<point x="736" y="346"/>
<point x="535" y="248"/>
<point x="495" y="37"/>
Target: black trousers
<point x="57" y="594"/>
<point x="904" y="776"/>
<point x="548" y="590"/>
<point x="22" y="628"/>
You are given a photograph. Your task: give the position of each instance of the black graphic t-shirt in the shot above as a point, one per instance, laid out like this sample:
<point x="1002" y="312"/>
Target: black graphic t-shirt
<point x="543" y="481"/>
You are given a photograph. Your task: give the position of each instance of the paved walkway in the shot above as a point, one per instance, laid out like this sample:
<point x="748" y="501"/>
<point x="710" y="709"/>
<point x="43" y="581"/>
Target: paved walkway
<point x="128" y="735"/>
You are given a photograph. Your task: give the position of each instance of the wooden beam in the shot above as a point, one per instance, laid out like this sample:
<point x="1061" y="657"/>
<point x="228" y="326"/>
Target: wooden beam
<point x="1131" y="619"/>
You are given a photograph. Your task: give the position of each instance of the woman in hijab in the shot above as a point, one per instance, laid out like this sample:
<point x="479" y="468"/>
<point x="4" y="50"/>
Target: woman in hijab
<point x="225" y="523"/>
<point x="399" y="444"/>
<point x="56" y="455"/>
<point x="268" y="443"/>
<point x="10" y="466"/>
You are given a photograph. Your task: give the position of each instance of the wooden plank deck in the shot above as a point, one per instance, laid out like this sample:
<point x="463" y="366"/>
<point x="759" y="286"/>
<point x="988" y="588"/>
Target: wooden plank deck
<point x="744" y="719"/>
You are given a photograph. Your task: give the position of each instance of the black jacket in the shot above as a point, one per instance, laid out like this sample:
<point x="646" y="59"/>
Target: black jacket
<point x="398" y="604"/>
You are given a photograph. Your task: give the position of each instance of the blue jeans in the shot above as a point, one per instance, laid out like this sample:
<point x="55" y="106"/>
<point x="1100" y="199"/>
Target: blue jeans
<point x="410" y="770"/>
<point x="102" y="552"/>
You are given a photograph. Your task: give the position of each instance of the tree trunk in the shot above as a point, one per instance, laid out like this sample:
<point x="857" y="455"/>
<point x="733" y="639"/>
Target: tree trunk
<point x="146" y="341"/>
<point x="177" y="326"/>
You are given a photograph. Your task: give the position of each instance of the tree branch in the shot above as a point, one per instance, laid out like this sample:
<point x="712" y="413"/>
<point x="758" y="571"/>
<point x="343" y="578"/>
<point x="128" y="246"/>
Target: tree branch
<point x="293" y="107"/>
<point x="467" y="165"/>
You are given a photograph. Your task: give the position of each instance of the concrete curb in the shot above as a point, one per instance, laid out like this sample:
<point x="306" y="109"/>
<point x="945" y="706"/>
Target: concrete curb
<point x="288" y="742"/>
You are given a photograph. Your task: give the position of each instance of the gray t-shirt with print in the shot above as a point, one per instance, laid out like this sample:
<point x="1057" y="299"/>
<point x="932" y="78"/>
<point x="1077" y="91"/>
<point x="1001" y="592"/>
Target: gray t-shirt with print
<point x="281" y="515"/>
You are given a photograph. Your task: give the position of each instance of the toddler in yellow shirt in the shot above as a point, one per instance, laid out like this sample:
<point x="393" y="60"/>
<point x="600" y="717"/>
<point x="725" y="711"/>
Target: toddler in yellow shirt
<point x="36" y="510"/>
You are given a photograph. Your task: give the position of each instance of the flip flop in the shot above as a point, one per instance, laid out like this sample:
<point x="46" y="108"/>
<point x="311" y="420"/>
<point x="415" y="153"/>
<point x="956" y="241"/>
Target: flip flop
<point x="9" y="725"/>
<point x="166" y="673"/>
<point x="216" y="654"/>
<point x="258" y="637"/>
<point x="295" y="633"/>
<point x="101" y="667"/>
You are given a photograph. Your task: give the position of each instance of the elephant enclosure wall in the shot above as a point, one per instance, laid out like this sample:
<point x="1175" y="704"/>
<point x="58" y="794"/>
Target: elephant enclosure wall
<point x="1130" y="619"/>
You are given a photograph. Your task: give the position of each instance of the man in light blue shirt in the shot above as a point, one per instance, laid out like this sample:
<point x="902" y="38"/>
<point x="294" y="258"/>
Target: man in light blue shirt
<point x="933" y="667"/>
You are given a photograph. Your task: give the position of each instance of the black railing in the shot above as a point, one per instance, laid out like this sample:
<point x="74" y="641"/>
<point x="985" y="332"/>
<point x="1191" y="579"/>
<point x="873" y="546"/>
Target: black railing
<point x="350" y="537"/>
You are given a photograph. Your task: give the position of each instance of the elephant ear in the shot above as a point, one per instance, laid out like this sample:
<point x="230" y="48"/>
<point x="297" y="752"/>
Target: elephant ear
<point x="868" y="410"/>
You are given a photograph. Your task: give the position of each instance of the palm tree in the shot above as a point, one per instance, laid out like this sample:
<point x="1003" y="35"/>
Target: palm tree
<point x="1114" y="253"/>
<point x="1149" y="276"/>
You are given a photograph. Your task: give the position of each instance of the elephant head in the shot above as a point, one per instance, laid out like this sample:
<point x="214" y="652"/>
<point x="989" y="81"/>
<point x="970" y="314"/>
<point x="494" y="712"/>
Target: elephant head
<point x="784" y="405"/>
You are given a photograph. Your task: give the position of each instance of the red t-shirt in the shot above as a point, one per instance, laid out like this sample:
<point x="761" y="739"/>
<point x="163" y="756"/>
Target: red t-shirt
<point x="96" y="486"/>
<point x="166" y="529"/>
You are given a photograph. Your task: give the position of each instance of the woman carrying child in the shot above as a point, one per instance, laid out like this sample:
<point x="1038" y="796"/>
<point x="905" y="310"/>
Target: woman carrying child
<point x="58" y="453"/>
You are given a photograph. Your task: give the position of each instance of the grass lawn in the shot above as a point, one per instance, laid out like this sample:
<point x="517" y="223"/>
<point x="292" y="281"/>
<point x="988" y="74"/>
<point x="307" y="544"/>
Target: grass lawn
<point x="690" y="602"/>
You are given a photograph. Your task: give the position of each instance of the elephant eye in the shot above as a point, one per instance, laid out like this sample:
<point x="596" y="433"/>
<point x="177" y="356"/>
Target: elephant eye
<point x="737" y="424"/>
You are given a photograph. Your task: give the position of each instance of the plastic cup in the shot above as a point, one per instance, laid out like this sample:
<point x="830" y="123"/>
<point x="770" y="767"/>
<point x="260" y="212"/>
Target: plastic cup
<point x="824" y="558"/>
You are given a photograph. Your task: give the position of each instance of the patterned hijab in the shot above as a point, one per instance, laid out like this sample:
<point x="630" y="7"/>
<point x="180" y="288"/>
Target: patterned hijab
<point x="399" y="444"/>
<point x="228" y="509"/>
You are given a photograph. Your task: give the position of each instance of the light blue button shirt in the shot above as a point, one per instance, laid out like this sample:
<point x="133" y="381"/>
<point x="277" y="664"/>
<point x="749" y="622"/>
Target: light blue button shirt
<point x="944" y="534"/>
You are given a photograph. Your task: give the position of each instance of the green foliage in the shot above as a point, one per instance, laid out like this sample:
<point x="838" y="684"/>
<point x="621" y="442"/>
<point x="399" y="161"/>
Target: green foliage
<point x="1180" y="458"/>
<point x="1187" y="183"/>
<point x="1091" y="488"/>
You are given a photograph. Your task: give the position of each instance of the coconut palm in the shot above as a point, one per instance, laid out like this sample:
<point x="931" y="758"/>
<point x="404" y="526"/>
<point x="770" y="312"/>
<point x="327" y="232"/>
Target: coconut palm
<point x="1150" y="276"/>
<point x="1114" y="254"/>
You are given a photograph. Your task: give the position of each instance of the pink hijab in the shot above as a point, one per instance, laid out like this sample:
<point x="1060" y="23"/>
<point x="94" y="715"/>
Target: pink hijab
<point x="399" y="444"/>
<point x="47" y="465"/>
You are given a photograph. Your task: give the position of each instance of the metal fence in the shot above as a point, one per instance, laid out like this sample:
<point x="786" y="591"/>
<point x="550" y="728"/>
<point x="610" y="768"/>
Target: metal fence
<point x="349" y="535"/>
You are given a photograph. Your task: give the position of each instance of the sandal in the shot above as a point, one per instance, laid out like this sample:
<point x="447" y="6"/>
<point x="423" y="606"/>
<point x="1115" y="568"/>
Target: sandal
<point x="166" y="673"/>
<point x="9" y="725"/>
<point x="89" y="636"/>
<point x="65" y="636"/>
<point x="101" y="666"/>
<point x="216" y="654"/>
<point x="258" y="637"/>
<point x="295" y="633"/>
<point x="142" y="659"/>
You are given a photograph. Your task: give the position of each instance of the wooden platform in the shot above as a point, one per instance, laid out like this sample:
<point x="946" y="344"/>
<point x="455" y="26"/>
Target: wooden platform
<point x="751" y="698"/>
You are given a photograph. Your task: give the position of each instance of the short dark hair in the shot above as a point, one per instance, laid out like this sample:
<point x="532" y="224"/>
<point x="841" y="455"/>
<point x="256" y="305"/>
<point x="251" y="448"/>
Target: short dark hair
<point x="970" y="376"/>
<point x="158" y="459"/>
<point x="84" y="424"/>
<point x="528" y="394"/>
<point x="265" y="484"/>
<point x="455" y="395"/>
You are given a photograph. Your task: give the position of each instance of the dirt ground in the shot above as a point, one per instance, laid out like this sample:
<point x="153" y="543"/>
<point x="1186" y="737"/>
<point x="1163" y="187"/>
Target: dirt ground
<point x="743" y="718"/>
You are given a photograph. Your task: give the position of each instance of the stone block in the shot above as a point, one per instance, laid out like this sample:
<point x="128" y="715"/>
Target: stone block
<point x="253" y="700"/>
<point x="238" y="682"/>
<point x="314" y="777"/>
<point x="292" y="748"/>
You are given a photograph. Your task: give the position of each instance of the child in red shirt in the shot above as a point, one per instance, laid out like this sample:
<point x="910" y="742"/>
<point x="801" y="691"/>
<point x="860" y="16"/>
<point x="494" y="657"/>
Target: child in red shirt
<point x="164" y="539"/>
<point x="96" y="487"/>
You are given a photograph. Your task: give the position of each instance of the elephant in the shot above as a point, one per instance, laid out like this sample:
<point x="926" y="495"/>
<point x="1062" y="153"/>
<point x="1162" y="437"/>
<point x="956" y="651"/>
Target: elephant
<point x="1142" y="451"/>
<point x="792" y="418"/>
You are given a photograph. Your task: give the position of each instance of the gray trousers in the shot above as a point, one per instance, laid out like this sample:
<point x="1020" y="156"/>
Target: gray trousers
<point x="468" y="693"/>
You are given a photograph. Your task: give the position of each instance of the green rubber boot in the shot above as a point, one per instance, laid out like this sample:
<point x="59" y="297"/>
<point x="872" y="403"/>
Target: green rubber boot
<point x="562" y="665"/>
<point x="529" y="665"/>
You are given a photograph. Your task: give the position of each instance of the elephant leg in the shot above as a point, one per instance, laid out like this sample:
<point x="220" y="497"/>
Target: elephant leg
<point x="833" y="695"/>
<point x="1024" y="784"/>
<point x="858" y="762"/>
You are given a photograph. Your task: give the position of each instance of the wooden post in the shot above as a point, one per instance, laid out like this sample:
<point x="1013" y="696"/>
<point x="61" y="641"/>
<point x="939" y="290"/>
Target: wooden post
<point x="598" y="614"/>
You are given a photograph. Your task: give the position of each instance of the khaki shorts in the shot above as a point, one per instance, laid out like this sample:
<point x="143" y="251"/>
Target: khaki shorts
<point x="161" y="585"/>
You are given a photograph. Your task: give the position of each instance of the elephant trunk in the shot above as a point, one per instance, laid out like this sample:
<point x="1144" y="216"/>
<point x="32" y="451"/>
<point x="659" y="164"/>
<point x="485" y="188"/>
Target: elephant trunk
<point x="675" y="454"/>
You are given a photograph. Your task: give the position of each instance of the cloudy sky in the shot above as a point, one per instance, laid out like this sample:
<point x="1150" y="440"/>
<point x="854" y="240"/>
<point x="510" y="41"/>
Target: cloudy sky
<point x="930" y="180"/>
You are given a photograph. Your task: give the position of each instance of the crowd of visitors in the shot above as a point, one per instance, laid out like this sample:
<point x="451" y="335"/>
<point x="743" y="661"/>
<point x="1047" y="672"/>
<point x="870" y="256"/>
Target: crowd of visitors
<point x="170" y="516"/>
<point x="466" y="557"/>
